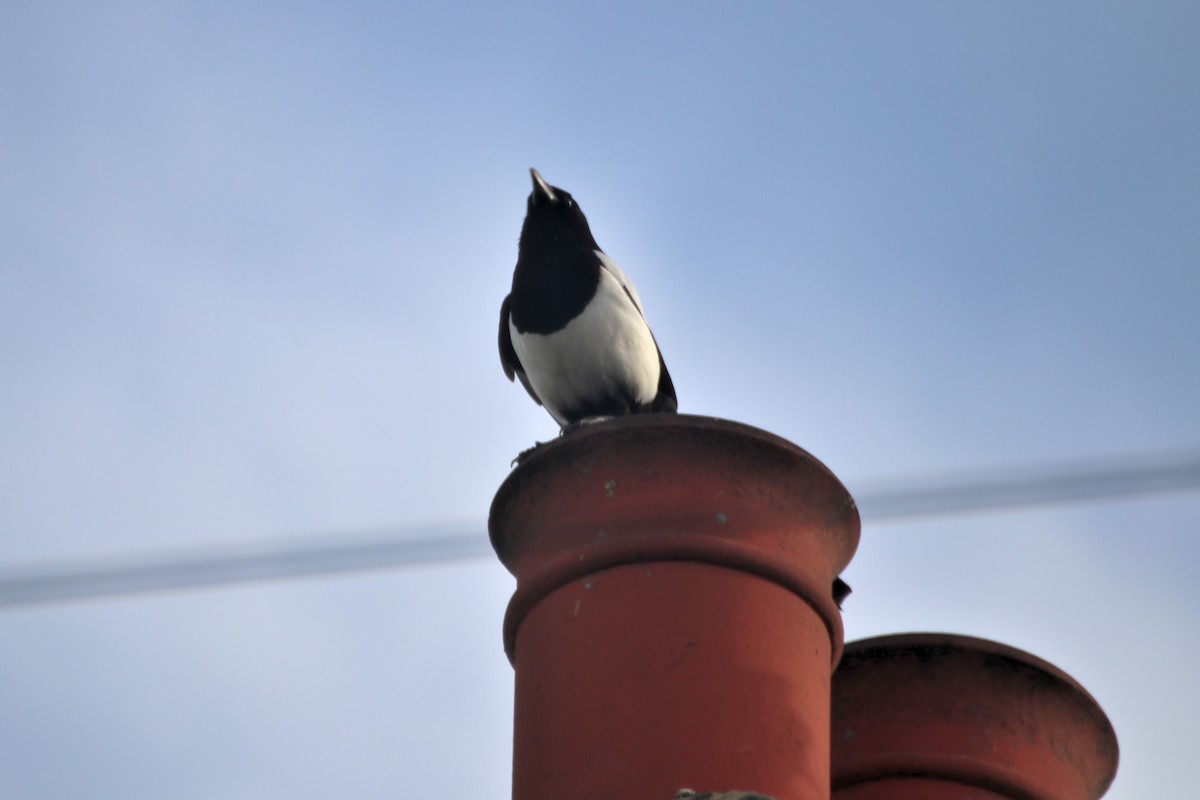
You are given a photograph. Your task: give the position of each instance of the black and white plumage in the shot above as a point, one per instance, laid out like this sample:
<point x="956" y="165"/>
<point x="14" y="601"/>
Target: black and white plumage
<point x="572" y="329"/>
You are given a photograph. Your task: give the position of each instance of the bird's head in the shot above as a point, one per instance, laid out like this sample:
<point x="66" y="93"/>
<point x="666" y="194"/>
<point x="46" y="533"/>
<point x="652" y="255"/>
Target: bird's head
<point x="552" y="215"/>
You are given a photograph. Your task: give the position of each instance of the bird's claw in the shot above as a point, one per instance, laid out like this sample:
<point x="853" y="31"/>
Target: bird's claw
<point x="524" y="454"/>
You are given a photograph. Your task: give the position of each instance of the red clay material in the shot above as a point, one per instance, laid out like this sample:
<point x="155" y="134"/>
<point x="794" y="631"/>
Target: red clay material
<point x="673" y="623"/>
<point x="927" y="716"/>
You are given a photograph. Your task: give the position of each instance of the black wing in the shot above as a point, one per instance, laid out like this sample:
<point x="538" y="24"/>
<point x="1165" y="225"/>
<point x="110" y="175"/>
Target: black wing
<point x="508" y="356"/>
<point x="665" y="400"/>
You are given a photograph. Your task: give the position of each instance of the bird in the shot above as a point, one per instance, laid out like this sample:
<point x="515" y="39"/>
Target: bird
<point x="573" y="329"/>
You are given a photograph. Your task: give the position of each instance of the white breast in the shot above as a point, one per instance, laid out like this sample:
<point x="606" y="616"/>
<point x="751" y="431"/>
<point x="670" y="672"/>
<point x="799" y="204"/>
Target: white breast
<point x="608" y="349"/>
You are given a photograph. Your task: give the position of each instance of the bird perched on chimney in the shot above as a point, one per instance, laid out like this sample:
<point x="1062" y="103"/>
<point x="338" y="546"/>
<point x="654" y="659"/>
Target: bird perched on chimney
<point x="572" y="329"/>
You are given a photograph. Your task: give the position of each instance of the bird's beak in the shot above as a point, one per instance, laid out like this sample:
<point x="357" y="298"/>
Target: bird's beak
<point x="541" y="187"/>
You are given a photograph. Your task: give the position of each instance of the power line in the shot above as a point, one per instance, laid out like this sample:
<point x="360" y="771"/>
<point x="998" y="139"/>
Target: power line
<point x="1030" y="486"/>
<point x="327" y="555"/>
<point x="269" y="560"/>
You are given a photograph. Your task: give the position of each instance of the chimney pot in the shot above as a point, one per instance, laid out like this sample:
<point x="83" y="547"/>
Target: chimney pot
<point x="673" y="622"/>
<point x="928" y="716"/>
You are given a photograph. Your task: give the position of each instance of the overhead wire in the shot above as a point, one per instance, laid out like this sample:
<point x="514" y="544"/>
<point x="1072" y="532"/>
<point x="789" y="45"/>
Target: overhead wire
<point x="983" y="490"/>
<point x="299" y="556"/>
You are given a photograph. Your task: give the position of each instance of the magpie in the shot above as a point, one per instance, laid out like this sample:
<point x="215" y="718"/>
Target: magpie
<point x="572" y="329"/>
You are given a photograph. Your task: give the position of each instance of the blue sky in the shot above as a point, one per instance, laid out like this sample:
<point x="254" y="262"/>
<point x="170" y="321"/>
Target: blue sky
<point x="253" y="259"/>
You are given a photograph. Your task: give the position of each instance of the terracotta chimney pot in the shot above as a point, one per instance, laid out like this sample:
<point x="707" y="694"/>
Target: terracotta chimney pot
<point x="673" y="623"/>
<point x="928" y="716"/>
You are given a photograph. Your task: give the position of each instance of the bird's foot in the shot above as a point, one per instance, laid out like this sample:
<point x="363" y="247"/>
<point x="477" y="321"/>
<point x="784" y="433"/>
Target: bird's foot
<point x="574" y="426"/>
<point x="524" y="454"/>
